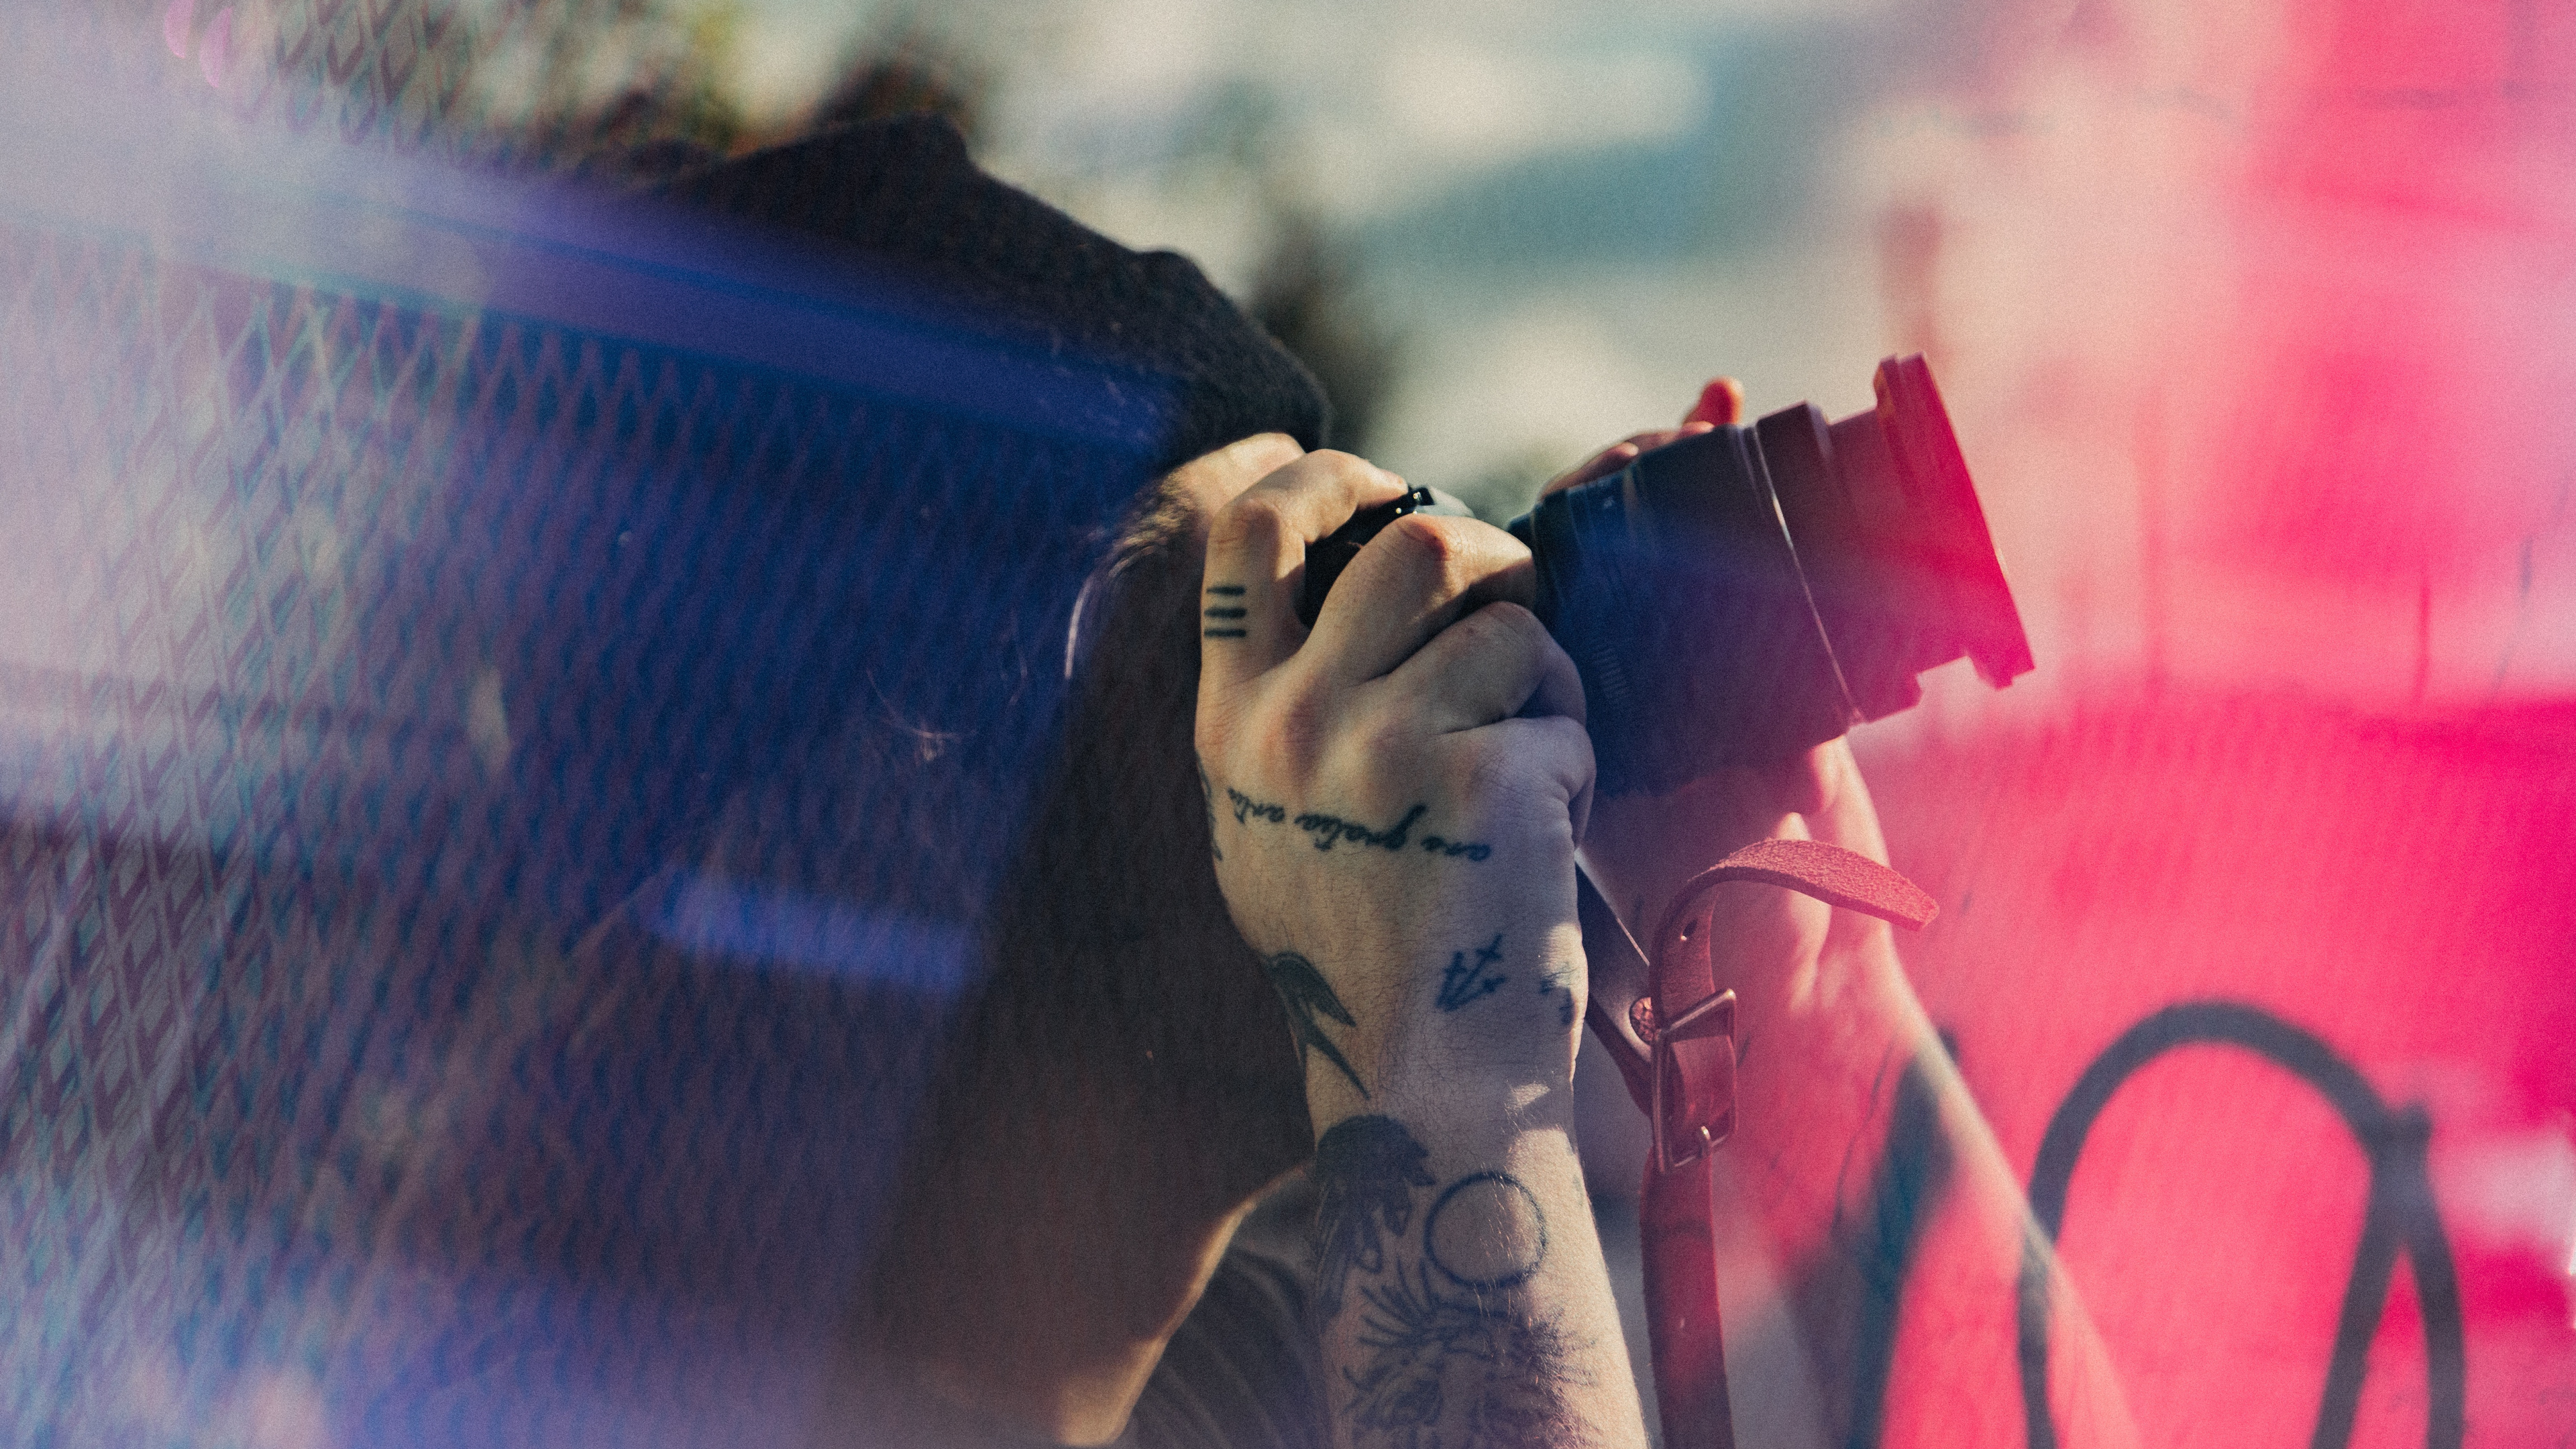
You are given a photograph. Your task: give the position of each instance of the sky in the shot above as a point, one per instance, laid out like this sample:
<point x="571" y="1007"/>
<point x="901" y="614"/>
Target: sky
<point x="1539" y="198"/>
<point x="2153" y="275"/>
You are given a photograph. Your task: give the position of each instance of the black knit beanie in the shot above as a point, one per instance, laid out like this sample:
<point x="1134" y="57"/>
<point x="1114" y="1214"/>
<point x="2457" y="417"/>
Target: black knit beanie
<point x="904" y="192"/>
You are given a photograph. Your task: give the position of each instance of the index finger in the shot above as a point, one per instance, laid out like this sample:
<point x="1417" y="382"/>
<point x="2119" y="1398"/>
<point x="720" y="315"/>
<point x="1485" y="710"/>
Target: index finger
<point x="1619" y="455"/>
<point x="1721" y="404"/>
<point x="1256" y="559"/>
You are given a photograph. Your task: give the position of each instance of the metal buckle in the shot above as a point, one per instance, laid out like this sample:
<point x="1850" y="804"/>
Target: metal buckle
<point x="1679" y="1144"/>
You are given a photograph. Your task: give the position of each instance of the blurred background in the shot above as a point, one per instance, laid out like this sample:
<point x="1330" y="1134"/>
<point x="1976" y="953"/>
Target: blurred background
<point x="2257" y="320"/>
<point x="2164" y="256"/>
<point x="2251" y="313"/>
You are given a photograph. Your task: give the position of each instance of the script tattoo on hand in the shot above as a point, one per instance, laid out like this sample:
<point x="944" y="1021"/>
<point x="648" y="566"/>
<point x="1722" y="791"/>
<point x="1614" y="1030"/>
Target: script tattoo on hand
<point x="1225" y="616"/>
<point x="1465" y="981"/>
<point x="1449" y="1355"/>
<point x="1308" y="995"/>
<point x="1331" y="830"/>
<point x="1247" y="809"/>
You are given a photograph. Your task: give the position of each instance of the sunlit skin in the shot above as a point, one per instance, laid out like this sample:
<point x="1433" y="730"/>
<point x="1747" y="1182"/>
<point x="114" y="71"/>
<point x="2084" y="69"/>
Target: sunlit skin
<point x="1827" y="1023"/>
<point x="1082" y="1289"/>
<point x="2256" y="312"/>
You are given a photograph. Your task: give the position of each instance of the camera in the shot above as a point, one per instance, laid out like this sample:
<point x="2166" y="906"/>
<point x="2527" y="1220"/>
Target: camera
<point x="1739" y="595"/>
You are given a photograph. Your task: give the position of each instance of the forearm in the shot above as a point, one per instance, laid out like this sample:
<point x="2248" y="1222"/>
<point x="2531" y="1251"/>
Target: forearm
<point x="1395" y="798"/>
<point x="1866" y="1201"/>
<point x="1462" y="1292"/>
<point x="1861" y="1177"/>
<point x="1038" y="1262"/>
<point x="1827" y="1028"/>
<point x="1849" y="1109"/>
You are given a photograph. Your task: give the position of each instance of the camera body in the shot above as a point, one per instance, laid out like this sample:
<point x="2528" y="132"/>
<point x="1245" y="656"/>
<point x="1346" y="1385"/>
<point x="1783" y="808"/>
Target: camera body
<point x="1742" y="594"/>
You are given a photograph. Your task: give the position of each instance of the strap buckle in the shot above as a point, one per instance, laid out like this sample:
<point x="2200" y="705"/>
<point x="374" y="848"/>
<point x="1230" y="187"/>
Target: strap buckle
<point x="1683" y="1076"/>
<point x="1693" y="1071"/>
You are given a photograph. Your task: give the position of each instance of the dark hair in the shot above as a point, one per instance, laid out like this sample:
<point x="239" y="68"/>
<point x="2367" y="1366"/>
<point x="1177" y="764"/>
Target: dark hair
<point x="904" y="193"/>
<point x="1122" y="1028"/>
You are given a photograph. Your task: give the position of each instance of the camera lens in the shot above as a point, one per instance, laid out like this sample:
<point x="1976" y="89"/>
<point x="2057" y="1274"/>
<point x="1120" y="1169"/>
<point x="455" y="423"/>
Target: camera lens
<point x="1742" y="594"/>
<point x="1892" y="542"/>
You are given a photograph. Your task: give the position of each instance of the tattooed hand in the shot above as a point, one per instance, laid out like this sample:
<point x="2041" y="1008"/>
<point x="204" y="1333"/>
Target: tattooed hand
<point x="1395" y="801"/>
<point x="1397" y="797"/>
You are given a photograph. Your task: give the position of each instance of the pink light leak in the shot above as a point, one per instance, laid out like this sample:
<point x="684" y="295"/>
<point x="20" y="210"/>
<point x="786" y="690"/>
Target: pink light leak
<point x="214" y="48"/>
<point x="215" y="54"/>
<point x="2260" y="327"/>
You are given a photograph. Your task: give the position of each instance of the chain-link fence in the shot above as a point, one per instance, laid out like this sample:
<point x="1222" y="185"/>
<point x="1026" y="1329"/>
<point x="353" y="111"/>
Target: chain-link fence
<point x="512" y="708"/>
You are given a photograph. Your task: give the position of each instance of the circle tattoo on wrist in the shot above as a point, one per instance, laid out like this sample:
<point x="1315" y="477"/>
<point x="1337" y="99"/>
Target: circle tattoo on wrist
<point x="1486" y="1232"/>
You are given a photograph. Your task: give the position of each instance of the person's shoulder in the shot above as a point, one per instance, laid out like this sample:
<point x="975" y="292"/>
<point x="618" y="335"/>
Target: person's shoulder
<point x="904" y="190"/>
<point x="905" y="194"/>
<point x="1244" y="1371"/>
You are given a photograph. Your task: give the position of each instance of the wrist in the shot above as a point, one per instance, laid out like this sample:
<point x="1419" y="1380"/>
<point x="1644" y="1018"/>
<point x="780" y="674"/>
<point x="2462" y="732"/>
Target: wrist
<point x="1471" y="1109"/>
<point x="1495" y="1021"/>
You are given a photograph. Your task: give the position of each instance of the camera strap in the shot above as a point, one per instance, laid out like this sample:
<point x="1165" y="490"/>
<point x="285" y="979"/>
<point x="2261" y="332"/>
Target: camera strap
<point x="1672" y="1033"/>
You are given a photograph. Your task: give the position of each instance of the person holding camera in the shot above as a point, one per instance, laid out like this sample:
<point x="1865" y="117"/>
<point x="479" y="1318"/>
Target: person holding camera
<point x="1259" y="1128"/>
<point x="1392" y="807"/>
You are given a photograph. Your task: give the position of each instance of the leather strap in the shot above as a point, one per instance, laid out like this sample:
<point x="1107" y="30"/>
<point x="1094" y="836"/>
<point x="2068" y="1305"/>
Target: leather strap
<point x="1680" y="1069"/>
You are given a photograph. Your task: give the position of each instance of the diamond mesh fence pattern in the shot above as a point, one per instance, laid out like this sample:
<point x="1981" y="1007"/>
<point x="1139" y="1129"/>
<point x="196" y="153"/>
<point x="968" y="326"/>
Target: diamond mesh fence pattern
<point x="539" y="84"/>
<point x="494" y="815"/>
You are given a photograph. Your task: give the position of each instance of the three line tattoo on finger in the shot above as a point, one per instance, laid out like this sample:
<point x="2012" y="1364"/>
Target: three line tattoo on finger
<point x="1226" y="613"/>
